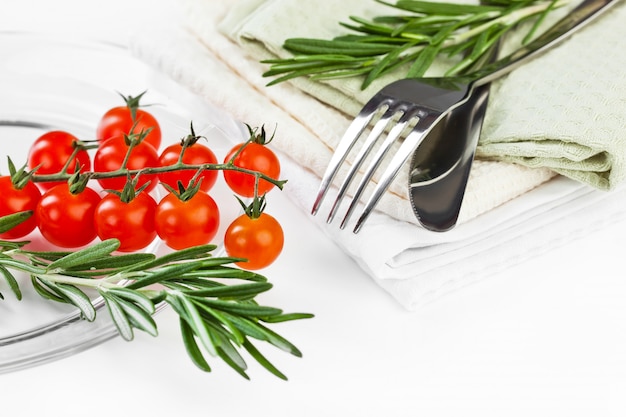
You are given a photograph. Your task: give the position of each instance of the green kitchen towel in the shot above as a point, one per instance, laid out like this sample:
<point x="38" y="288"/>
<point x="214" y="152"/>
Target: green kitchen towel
<point x="565" y="110"/>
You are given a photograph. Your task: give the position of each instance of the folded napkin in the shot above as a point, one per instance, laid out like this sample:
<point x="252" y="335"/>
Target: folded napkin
<point x="501" y="216"/>
<point x="312" y="126"/>
<point x="545" y="115"/>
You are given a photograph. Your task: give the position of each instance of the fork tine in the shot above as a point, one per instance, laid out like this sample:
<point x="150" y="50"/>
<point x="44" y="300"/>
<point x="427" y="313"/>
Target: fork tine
<point x="391" y="138"/>
<point x="425" y="124"/>
<point x="349" y="138"/>
<point x="376" y="132"/>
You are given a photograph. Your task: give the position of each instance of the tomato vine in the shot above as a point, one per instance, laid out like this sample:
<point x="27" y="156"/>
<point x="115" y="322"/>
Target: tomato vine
<point x="127" y="165"/>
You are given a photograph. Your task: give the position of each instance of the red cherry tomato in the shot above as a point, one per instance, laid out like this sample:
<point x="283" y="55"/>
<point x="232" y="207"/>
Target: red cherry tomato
<point x="196" y="154"/>
<point x="65" y="219"/>
<point x="182" y="224"/>
<point x="132" y="223"/>
<point x="118" y="121"/>
<point x="110" y="156"/>
<point x="259" y="240"/>
<point x="255" y="157"/>
<point x="15" y="200"/>
<point x="51" y="151"/>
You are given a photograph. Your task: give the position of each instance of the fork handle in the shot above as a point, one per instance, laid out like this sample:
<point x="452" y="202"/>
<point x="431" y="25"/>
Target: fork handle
<point x="577" y="18"/>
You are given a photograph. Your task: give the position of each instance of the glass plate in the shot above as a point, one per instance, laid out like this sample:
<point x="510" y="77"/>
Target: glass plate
<point x="48" y="83"/>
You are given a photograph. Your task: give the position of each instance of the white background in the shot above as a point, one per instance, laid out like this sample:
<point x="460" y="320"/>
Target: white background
<point x="546" y="338"/>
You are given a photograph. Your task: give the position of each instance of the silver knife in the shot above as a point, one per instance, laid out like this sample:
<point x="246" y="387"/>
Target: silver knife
<point x="440" y="166"/>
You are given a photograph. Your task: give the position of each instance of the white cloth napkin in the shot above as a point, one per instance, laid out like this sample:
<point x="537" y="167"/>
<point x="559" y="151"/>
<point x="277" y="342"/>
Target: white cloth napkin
<point x="502" y="222"/>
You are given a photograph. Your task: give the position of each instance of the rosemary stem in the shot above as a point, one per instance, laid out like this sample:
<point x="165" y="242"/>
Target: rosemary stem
<point x="505" y="20"/>
<point x="82" y="282"/>
<point x="21" y="266"/>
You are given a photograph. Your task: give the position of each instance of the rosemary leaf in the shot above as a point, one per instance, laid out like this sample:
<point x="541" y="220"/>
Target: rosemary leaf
<point x="423" y="61"/>
<point x="211" y="314"/>
<point x="241" y="291"/>
<point x="316" y="58"/>
<point x="317" y="69"/>
<point x="321" y="46"/>
<point x="8" y="222"/>
<point x="96" y="251"/>
<point x="391" y="41"/>
<point x="340" y="74"/>
<point x="482" y="44"/>
<point x="239" y="308"/>
<point x="108" y="263"/>
<point x="135" y="297"/>
<point x="194" y="252"/>
<point x="197" y="324"/>
<point x="287" y="317"/>
<point x="138" y="317"/>
<point x="46" y="291"/>
<point x="294" y="66"/>
<point x="224" y="272"/>
<point x="279" y="341"/>
<point x="254" y="352"/>
<point x="120" y="319"/>
<point x="384" y="63"/>
<point x="169" y="272"/>
<point x="246" y="326"/>
<point x="191" y="346"/>
<point x="78" y="298"/>
<point x="231" y="356"/>
<point x="366" y="26"/>
<point x="441" y="8"/>
<point x="44" y="258"/>
<point x="538" y="22"/>
<point x="8" y="276"/>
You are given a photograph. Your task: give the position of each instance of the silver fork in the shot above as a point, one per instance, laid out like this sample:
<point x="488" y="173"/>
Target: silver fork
<point x="417" y="106"/>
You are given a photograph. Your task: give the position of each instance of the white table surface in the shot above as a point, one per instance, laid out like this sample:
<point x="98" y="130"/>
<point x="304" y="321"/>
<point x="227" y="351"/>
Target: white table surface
<point x="545" y="338"/>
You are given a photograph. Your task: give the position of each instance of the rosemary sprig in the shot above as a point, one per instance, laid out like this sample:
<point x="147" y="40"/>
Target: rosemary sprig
<point x="410" y="41"/>
<point x="215" y="302"/>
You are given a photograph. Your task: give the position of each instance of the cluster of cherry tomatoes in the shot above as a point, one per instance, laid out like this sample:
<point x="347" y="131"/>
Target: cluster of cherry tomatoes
<point x="69" y="212"/>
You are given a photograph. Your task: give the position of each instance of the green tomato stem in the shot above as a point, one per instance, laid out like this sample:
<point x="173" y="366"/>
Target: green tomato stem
<point x="229" y="166"/>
